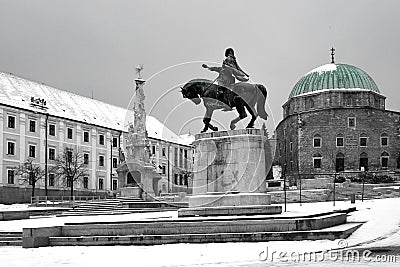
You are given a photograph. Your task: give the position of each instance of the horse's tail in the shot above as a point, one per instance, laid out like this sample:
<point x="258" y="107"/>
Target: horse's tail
<point x="261" y="102"/>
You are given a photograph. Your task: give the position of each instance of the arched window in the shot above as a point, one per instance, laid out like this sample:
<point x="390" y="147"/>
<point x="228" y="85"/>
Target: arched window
<point x="317" y="160"/>
<point x="309" y="103"/>
<point x="364" y="161"/>
<point x="339" y="162"/>
<point x="384" y="139"/>
<point x="317" y="140"/>
<point x="339" y="140"/>
<point x="384" y="159"/>
<point x="363" y="140"/>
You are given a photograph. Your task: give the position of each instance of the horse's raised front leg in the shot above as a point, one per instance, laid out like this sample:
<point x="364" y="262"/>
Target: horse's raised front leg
<point x="240" y="109"/>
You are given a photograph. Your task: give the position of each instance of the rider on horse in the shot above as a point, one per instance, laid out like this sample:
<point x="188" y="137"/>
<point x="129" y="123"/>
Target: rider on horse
<point x="229" y="71"/>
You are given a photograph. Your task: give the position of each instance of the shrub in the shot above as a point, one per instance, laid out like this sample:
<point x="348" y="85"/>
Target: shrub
<point x="371" y="178"/>
<point x="340" y="179"/>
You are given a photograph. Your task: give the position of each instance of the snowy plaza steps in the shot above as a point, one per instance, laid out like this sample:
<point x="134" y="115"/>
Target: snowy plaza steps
<point x="254" y="228"/>
<point x="121" y="205"/>
<point x="331" y="233"/>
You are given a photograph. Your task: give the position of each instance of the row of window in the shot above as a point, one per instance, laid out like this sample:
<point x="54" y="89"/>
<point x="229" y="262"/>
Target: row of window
<point x="11" y="180"/>
<point x="180" y="179"/>
<point x="363" y="140"/>
<point x="181" y="158"/>
<point x="52" y="154"/>
<point x="52" y="131"/>
<point x="339" y="160"/>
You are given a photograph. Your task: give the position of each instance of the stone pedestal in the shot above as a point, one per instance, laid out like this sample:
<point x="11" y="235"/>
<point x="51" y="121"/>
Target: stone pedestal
<point x="131" y="191"/>
<point x="230" y="161"/>
<point x="230" y="173"/>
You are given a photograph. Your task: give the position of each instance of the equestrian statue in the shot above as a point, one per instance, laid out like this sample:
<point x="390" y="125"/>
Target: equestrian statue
<point x="227" y="94"/>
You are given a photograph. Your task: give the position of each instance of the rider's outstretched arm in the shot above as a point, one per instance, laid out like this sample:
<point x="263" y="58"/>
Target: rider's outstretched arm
<point x="216" y="69"/>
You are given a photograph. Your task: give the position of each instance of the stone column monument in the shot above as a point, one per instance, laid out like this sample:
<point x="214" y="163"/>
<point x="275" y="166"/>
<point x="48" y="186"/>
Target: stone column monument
<point x="141" y="178"/>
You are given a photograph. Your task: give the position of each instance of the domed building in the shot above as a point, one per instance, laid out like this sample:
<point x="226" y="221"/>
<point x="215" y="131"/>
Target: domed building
<point x="335" y="121"/>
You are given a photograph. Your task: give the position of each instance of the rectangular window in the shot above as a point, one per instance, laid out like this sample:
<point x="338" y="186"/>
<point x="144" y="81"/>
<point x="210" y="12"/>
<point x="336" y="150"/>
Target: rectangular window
<point x="51" y="179"/>
<point x="69" y="133"/>
<point x="115" y="142"/>
<point x="317" y="142"/>
<point x="85" y="136"/>
<point x="185" y="155"/>
<point x="10" y="148"/>
<point x="176" y="180"/>
<point x="153" y="150"/>
<point x="384" y="141"/>
<point x="101" y="139"/>
<point x="163" y="152"/>
<point x="32" y="126"/>
<point x="69" y="181"/>
<point x="176" y="156"/>
<point x="101" y="161"/>
<point x="85" y="158"/>
<point x="339" y="141"/>
<point x="52" y="153"/>
<point x="32" y="151"/>
<point x="363" y="141"/>
<point x="115" y="162"/>
<point x="291" y="146"/>
<point x="351" y="121"/>
<point x="11" y="122"/>
<point x="85" y="182"/>
<point x="181" y="157"/>
<point x="115" y="185"/>
<point x="52" y="129"/>
<point x="317" y="163"/>
<point x="163" y="169"/>
<point x="101" y="183"/>
<point x="385" y="162"/>
<point x="69" y="155"/>
<point x="10" y="176"/>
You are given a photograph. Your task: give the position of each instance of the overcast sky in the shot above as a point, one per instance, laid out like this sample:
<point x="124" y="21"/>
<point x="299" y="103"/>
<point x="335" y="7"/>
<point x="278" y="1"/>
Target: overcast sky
<point x="95" y="45"/>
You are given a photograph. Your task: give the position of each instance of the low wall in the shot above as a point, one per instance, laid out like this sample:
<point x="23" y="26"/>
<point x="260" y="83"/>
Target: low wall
<point x="11" y="195"/>
<point x="9" y="215"/>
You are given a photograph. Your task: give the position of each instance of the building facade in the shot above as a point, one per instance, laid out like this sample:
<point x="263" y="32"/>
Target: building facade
<point x="335" y="121"/>
<point x="38" y="122"/>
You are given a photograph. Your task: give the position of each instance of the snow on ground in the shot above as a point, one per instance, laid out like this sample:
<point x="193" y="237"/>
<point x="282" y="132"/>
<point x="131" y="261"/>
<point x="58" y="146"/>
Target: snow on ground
<point x="382" y="219"/>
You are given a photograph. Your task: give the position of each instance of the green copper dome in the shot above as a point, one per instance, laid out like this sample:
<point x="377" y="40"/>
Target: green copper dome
<point x="334" y="76"/>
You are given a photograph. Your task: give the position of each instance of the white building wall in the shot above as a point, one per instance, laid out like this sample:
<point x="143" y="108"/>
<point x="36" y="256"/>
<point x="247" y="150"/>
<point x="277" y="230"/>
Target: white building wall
<point x="2" y="151"/>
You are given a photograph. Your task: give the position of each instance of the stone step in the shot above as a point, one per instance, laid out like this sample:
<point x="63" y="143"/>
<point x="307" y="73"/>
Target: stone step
<point x="199" y="225"/>
<point x="122" y="211"/>
<point x="14" y="238"/>
<point x="330" y="233"/>
<point x="10" y="234"/>
<point x="230" y="210"/>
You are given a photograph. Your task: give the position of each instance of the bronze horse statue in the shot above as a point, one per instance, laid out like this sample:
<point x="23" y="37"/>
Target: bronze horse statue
<point x="242" y="96"/>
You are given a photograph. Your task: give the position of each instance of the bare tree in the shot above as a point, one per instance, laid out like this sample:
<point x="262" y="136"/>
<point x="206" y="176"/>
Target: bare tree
<point x="30" y="173"/>
<point x="70" y="167"/>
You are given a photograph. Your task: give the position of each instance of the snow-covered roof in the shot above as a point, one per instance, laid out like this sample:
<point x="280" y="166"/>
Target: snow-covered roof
<point x="17" y="92"/>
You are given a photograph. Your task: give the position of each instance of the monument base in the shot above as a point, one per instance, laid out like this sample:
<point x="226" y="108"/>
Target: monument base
<point x="231" y="211"/>
<point x="229" y="204"/>
<point x="217" y="199"/>
<point x="131" y="191"/>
